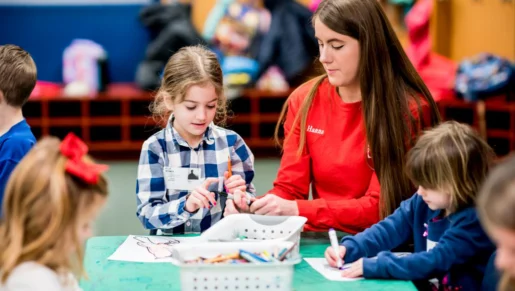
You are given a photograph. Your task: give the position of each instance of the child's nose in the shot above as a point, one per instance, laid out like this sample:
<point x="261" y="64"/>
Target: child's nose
<point x="201" y="114"/>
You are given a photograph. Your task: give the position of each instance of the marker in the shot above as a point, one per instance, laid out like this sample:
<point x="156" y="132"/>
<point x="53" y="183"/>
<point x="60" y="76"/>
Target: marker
<point x="283" y="253"/>
<point x="251" y="257"/>
<point x="269" y="257"/>
<point x="334" y="244"/>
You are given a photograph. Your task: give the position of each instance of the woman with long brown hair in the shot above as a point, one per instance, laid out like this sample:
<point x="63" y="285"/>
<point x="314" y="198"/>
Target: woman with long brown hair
<point x="347" y="132"/>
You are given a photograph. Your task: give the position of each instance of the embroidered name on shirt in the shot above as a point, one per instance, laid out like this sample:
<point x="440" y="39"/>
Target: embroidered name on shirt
<point x="315" y="130"/>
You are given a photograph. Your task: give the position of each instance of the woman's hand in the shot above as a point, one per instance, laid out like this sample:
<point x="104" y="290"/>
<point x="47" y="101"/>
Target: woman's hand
<point x="274" y="205"/>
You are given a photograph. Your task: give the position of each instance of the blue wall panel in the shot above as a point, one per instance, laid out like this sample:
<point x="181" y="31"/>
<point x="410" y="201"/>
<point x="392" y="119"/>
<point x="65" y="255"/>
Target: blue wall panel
<point x="45" y="31"/>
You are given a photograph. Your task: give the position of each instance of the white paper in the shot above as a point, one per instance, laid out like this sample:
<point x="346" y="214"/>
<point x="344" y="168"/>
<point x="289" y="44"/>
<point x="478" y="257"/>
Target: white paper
<point x="330" y="273"/>
<point x="149" y="249"/>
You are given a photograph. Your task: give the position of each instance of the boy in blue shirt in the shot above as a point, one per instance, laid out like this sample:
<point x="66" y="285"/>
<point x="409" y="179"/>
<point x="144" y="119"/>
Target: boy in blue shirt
<point x="18" y="76"/>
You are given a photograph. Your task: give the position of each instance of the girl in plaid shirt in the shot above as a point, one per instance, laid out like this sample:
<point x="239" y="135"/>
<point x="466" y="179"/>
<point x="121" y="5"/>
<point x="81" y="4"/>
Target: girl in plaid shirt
<point x="184" y="166"/>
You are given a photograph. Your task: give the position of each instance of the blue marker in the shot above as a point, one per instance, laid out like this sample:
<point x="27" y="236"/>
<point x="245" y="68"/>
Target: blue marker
<point x="251" y="257"/>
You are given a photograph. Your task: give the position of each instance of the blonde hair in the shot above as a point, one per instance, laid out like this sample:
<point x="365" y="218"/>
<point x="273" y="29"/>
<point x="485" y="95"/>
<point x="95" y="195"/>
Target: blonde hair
<point x="496" y="203"/>
<point x="453" y="158"/>
<point x="189" y="66"/>
<point x="506" y="283"/>
<point x="41" y="211"/>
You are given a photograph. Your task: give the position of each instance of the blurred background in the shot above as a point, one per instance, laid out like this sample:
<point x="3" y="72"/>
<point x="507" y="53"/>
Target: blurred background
<point x="99" y="62"/>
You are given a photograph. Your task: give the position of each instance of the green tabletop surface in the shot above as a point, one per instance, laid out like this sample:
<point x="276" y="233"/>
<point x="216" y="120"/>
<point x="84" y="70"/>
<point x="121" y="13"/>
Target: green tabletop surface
<point x="117" y="275"/>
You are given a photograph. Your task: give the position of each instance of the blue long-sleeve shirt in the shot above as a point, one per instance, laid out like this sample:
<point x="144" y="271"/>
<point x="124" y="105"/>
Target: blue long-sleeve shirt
<point x="453" y="249"/>
<point x="14" y="144"/>
<point x="492" y="276"/>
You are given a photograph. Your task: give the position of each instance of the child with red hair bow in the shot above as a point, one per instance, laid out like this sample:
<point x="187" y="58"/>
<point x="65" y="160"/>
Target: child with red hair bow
<point x="51" y="200"/>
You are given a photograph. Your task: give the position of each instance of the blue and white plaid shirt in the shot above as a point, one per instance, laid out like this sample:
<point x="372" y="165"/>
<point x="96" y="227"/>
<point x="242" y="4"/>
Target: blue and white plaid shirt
<point x="162" y="208"/>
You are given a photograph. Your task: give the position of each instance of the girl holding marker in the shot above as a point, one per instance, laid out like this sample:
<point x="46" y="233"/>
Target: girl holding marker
<point x="449" y="163"/>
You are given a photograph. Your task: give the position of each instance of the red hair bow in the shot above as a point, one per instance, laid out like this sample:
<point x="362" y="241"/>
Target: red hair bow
<point x="75" y="149"/>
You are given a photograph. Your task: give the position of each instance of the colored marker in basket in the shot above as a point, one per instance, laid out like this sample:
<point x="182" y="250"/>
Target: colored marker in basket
<point x="283" y="254"/>
<point x="252" y="258"/>
<point x="243" y="257"/>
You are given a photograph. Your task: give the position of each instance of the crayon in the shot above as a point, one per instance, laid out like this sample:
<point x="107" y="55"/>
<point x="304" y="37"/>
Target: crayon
<point x="221" y="258"/>
<point x="229" y="166"/>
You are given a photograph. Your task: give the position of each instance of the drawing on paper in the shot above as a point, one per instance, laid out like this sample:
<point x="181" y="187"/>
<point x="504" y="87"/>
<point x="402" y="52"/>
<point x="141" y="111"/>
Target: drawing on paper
<point x="161" y="249"/>
<point x="149" y="249"/>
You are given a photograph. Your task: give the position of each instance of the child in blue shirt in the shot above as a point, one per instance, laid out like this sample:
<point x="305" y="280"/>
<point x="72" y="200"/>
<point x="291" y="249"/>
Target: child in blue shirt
<point x="496" y="204"/>
<point x="17" y="80"/>
<point x="184" y="167"/>
<point x="448" y="163"/>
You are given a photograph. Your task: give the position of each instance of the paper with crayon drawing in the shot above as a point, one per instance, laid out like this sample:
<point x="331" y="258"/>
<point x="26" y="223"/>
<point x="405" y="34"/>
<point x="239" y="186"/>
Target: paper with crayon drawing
<point x="148" y="249"/>
<point x="330" y="273"/>
<point x="333" y="274"/>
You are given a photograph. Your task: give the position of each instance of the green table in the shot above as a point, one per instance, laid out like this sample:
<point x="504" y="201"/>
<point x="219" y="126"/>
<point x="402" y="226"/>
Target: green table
<point x="117" y="275"/>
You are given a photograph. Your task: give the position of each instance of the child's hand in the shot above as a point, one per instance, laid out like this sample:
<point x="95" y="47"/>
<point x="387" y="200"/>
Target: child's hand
<point x="238" y="205"/>
<point x="331" y="257"/>
<point x="235" y="182"/>
<point x="230" y="208"/>
<point x="200" y="197"/>
<point x="354" y="270"/>
<point x="240" y="201"/>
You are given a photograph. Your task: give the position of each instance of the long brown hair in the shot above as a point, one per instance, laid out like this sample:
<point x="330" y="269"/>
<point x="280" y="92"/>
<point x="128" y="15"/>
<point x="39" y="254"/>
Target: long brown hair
<point x="452" y="158"/>
<point x="42" y="208"/>
<point x="189" y="66"/>
<point x="496" y="203"/>
<point x="390" y="86"/>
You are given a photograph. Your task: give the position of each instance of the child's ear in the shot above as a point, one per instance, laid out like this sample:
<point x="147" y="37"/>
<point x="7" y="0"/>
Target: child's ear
<point x="1" y="97"/>
<point x="167" y="99"/>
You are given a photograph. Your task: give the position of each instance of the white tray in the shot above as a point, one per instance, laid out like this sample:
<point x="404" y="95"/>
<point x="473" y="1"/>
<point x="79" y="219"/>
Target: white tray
<point x="256" y="227"/>
<point x="262" y="276"/>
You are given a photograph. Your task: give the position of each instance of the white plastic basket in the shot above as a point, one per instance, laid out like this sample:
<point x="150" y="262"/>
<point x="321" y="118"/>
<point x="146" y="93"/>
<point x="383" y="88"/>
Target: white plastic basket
<point x="256" y="227"/>
<point x="241" y="277"/>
